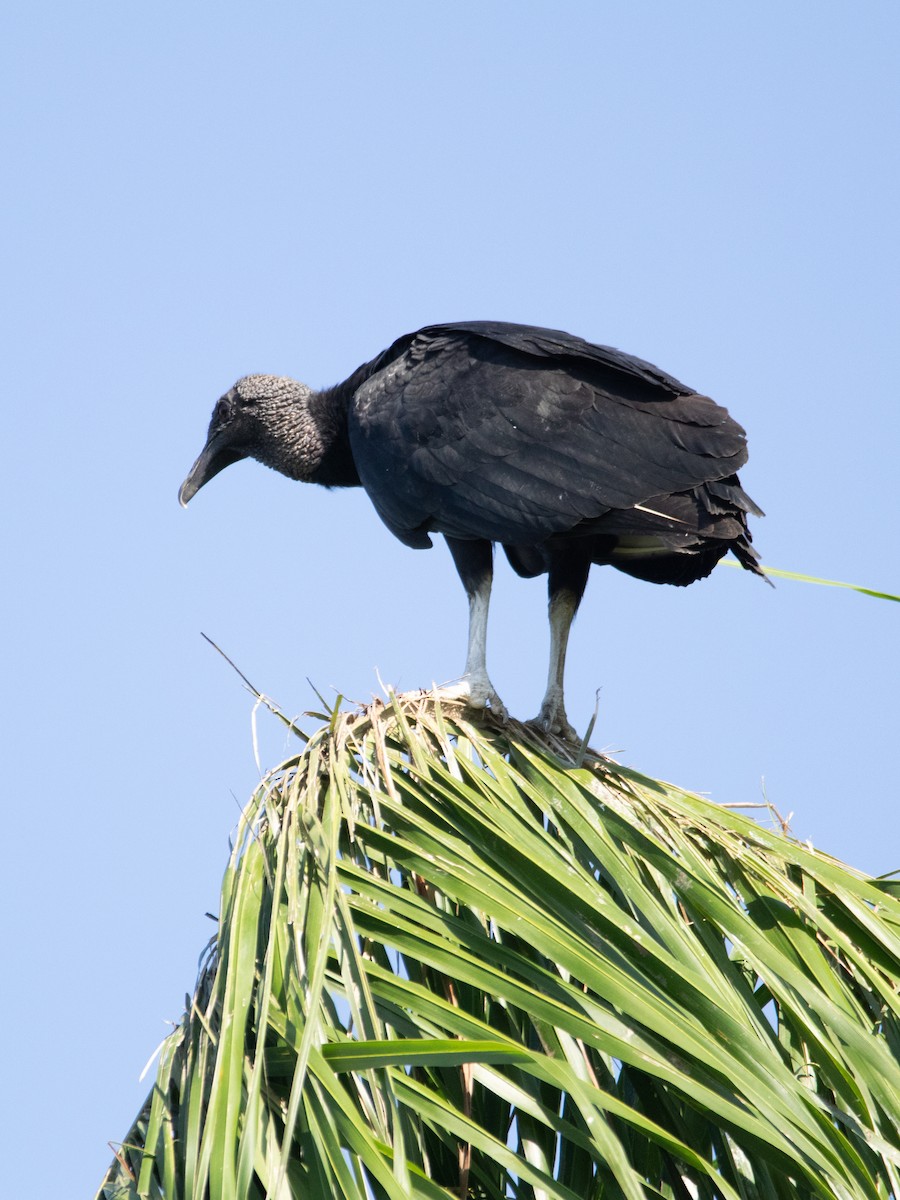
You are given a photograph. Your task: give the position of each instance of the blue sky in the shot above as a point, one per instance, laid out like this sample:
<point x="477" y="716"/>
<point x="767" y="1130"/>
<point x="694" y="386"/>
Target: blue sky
<point x="195" y="192"/>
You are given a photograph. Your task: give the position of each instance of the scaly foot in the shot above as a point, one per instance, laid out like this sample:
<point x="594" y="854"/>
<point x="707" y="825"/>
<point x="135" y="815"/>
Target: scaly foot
<point x="552" y="717"/>
<point x="477" y="691"/>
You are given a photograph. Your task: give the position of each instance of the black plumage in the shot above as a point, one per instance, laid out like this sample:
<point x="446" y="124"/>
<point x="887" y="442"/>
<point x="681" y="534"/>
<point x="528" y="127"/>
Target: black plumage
<point x="566" y="453"/>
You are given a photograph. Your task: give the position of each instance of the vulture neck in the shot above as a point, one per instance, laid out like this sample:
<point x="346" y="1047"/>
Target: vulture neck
<point x="313" y="445"/>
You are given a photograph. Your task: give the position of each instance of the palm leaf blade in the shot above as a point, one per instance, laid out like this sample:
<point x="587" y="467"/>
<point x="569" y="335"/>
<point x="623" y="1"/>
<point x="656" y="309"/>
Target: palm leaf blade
<point x="450" y="962"/>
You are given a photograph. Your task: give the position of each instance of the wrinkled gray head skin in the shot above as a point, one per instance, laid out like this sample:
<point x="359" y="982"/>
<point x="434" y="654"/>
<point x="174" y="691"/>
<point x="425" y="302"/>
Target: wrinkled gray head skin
<point x="265" y="417"/>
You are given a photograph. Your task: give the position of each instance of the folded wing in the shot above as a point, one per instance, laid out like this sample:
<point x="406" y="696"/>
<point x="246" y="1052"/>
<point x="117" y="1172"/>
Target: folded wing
<point x="506" y="432"/>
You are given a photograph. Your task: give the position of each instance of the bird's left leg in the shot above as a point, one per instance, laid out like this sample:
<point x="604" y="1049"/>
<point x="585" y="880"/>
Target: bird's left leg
<point x="475" y="563"/>
<point x="565" y="585"/>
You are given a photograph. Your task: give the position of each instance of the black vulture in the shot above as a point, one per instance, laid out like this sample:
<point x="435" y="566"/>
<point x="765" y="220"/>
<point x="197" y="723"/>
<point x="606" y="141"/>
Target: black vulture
<point x="564" y="452"/>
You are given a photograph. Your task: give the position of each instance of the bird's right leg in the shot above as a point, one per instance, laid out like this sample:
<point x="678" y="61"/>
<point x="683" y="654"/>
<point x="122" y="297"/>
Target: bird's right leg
<point x="566" y="582"/>
<point x="475" y="563"/>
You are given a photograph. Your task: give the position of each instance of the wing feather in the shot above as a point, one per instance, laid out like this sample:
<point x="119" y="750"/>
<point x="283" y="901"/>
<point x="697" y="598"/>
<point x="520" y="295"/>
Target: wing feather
<point x="515" y="434"/>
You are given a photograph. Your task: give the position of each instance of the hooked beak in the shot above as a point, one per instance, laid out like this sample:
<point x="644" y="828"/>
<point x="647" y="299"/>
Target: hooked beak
<point x="216" y="455"/>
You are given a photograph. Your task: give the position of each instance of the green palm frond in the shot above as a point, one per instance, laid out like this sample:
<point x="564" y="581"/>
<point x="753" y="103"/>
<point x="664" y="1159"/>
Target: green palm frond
<point x="450" y="962"/>
<point x="799" y="578"/>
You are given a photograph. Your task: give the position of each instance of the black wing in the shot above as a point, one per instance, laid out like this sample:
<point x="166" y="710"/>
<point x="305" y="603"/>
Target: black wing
<point x="513" y="433"/>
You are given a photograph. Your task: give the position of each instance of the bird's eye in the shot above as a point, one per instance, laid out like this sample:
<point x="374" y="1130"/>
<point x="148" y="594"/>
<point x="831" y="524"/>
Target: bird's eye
<point x="221" y="412"/>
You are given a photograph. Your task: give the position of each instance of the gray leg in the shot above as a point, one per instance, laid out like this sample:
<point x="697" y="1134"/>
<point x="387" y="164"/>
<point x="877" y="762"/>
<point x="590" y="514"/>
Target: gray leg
<point x="474" y="562"/>
<point x="566" y="584"/>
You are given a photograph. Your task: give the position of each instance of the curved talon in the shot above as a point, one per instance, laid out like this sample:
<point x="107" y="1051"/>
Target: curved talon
<point x="552" y="719"/>
<point x="477" y="693"/>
